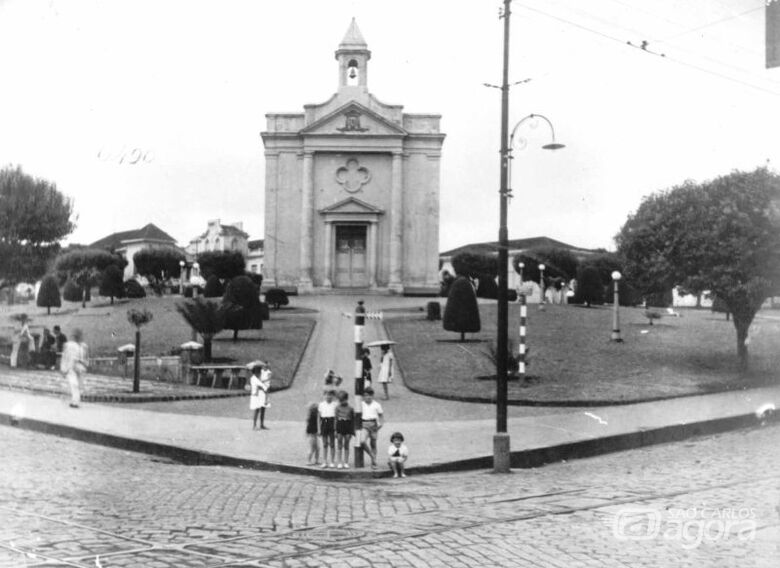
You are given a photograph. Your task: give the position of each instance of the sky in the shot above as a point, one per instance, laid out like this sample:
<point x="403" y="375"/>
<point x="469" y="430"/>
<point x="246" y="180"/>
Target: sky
<point x="150" y="111"/>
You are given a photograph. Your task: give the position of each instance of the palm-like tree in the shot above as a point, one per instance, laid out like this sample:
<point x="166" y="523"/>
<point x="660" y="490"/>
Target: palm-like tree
<point x="206" y="317"/>
<point x="138" y="318"/>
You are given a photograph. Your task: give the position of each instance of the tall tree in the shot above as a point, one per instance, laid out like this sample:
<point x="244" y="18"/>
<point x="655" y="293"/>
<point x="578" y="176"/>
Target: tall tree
<point x="242" y="305"/>
<point x="206" y="317"/>
<point x="461" y="313"/>
<point x="722" y="236"/>
<point x="223" y="264"/>
<point x="34" y="217"/>
<point x="112" y="282"/>
<point x="157" y="264"/>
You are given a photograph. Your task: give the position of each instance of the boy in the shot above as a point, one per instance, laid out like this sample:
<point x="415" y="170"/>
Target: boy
<point x="398" y="454"/>
<point x="327" y="412"/>
<point x="345" y="429"/>
<point x="373" y="419"/>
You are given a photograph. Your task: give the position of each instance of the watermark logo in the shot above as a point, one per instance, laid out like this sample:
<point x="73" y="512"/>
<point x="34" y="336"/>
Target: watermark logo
<point x="690" y="527"/>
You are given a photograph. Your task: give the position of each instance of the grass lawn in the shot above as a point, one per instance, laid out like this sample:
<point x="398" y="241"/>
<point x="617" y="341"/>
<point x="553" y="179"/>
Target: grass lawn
<point x="572" y="358"/>
<point x="281" y="341"/>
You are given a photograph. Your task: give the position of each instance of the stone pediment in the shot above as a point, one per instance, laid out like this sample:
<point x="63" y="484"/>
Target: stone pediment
<point x="353" y="119"/>
<point x="351" y="206"/>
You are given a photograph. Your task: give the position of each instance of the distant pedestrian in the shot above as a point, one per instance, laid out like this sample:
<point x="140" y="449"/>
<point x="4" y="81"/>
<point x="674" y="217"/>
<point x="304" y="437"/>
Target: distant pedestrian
<point x="23" y="343"/>
<point x="373" y="419"/>
<point x="259" y="384"/>
<point x="59" y="339"/>
<point x="48" y="357"/>
<point x="367" y="367"/>
<point x="75" y="361"/>
<point x="312" y="432"/>
<point x="386" y="369"/>
<point x="327" y="413"/>
<point x="345" y="429"/>
<point x="397" y="453"/>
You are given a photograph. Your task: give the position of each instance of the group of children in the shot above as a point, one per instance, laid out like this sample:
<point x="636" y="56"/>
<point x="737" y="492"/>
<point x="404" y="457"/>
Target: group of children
<point x="333" y="420"/>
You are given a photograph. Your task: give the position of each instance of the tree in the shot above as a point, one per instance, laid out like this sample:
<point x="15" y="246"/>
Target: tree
<point x="277" y="297"/>
<point x="223" y="264"/>
<point x="72" y="292"/>
<point x="207" y="317"/>
<point x="133" y="289"/>
<point x="558" y="263"/>
<point x="138" y="318"/>
<point x="473" y="265"/>
<point x="112" y="282"/>
<point x="157" y="265"/>
<point x="461" y="314"/>
<point x="487" y="287"/>
<point x="242" y="305"/>
<point x="49" y="294"/>
<point x="214" y="288"/>
<point x="34" y="217"/>
<point x="590" y="289"/>
<point x="84" y="266"/>
<point x="722" y="235"/>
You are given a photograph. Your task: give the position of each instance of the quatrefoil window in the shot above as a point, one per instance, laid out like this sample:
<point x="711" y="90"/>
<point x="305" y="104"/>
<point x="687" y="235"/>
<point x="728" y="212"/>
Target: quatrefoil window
<point x="353" y="176"/>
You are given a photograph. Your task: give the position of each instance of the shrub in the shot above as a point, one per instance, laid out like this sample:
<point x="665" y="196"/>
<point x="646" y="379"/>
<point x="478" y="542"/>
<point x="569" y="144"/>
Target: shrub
<point x="134" y="290"/>
<point x="190" y="290"/>
<point x="590" y="289"/>
<point x="257" y="279"/>
<point x="49" y="294"/>
<point x="214" y="288"/>
<point x="433" y="311"/>
<point x="660" y="299"/>
<point x="72" y="292"/>
<point x="265" y="313"/>
<point x="242" y="305"/>
<point x="472" y="265"/>
<point x="461" y="314"/>
<point x="111" y="283"/>
<point x="276" y="297"/>
<point x="222" y="264"/>
<point x="487" y="287"/>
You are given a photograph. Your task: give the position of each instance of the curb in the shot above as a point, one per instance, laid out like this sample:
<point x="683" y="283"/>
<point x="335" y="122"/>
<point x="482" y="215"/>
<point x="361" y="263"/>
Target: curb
<point x="521" y="459"/>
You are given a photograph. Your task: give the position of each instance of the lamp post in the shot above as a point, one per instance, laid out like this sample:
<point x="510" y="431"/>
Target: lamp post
<point x="196" y="271"/>
<point x="501" y="451"/>
<point x="541" y="285"/>
<point x="616" y="276"/>
<point x="521" y="265"/>
<point x="181" y="277"/>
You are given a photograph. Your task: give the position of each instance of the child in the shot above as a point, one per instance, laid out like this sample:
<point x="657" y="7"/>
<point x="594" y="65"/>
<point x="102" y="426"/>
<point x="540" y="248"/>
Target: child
<point x="327" y="412"/>
<point x="311" y="432"/>
<point x="259" y="384"/>
<point x="386" y="370"/>
<point x="332" y="380"/>
<point x="373" y="418"/>
<point x="398" y="453"/>
<point x="366" y="368"/>
<point x="345" y="429"/>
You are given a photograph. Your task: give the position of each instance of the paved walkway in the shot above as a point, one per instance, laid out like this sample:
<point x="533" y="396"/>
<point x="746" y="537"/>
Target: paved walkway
<point x="440" y="434"/>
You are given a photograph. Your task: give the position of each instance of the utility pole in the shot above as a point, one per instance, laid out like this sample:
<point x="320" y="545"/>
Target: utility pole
<point x="501" y="451"/>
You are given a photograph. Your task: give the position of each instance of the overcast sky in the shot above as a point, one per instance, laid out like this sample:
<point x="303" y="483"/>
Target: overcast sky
<point x="188" y="83"/>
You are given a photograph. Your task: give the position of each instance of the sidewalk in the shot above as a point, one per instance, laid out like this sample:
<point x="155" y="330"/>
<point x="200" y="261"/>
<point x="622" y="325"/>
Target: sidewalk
<point x="434" y="446"/>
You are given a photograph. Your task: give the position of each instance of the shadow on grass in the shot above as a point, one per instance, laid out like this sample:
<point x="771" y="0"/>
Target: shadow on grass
<point x="456" y="341"/>
<point x="239" y="339"/>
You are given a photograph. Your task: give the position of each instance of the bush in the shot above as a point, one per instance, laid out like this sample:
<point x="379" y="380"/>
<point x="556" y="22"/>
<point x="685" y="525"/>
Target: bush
<point x="111" y="283"/>
<point x="660" y="299"/>
<point x="189" y="291"/>
<point x="242" y="305"/>
<point x="134" y="290"/>
<point x="472" y="265"/>
<point x="257" y="279"/>
<point x="487" y="287"/>
<point x="590" y="289"/>
<point x="265" y="313"/>
<point x="72" y="292"/>
<point x="49" y="294"/>
<point x="461" y="314"/>
<point x="433" y="311"/>
<point x="276" y="297"/>
<point x="222" y="264"/>
<point x="720" y="306"/>
<point x="213" y="287"/>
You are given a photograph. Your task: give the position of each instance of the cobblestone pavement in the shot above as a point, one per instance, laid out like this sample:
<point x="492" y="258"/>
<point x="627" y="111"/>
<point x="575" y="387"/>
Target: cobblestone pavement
<point x="707" y="502"/>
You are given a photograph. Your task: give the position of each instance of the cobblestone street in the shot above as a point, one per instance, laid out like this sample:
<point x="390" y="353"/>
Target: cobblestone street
<point x="66" y="503"/>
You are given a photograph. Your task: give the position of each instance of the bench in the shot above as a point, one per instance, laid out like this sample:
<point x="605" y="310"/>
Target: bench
<point x="237" y="373"/>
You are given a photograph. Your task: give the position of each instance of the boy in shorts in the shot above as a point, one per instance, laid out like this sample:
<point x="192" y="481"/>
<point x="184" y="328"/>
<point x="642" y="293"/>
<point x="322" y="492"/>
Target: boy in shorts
<point x="373" y="419"/>
<point x="345" y="429"/>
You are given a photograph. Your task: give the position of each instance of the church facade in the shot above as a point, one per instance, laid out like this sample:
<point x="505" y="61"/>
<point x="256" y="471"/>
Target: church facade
<point x="352" y="190"/>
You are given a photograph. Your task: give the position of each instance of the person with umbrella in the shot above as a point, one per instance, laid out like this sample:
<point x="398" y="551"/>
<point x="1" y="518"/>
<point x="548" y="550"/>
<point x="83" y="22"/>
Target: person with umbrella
<point x="386" y="366"/>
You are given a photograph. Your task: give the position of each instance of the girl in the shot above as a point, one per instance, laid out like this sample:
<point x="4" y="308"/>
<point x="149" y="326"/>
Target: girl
<point x="327" y="412"/>
<point x="345" y="429"/>
<point x="312" y="419"/>
<point x="386" y="369"/>
<point x="259" y="384"/>
<point x="397" y="454"/>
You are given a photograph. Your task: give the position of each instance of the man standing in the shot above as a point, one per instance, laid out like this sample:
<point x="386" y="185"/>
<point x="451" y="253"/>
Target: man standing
<point x="60" y="339"/>
<point x="73" y="365"/>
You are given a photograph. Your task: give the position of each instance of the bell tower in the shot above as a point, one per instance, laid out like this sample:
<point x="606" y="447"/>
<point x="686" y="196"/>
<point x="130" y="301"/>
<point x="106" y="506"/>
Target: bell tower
<point x="353" y="56"/>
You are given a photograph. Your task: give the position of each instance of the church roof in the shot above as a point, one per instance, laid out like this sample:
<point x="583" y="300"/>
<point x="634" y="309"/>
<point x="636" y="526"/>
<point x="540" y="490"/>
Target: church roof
<point x="353" y="39"/>
<point x="150" y="232"/>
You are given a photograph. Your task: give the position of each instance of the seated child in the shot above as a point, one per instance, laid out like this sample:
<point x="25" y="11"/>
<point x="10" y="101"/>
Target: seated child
<point x="398" y="454"/>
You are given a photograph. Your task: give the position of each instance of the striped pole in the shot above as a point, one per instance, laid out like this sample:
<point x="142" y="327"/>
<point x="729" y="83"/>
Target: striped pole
<point x="360" y="319"/>
<point x="521" y="348"/>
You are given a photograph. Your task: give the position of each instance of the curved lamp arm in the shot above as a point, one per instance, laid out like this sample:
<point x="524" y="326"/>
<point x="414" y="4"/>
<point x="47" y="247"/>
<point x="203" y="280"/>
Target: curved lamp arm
<point x="552" y="146"/>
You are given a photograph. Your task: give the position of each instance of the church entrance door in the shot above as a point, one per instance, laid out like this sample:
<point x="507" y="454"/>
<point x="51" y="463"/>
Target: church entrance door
<point x="351" y="262"/>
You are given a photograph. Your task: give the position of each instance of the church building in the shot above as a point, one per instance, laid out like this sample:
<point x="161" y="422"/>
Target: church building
<point x="352" y="190"/>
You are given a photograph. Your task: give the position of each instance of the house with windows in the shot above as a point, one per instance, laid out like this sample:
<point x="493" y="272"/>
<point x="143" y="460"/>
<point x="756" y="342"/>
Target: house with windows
<point x="254" y="258"/>
<point x="130" y="242"/>
<point x="219" y="237"/>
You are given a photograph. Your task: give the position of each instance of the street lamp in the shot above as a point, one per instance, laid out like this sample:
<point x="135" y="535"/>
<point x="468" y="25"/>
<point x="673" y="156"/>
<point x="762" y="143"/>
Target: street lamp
<point x="616" y="276"/>
<point x="181" y="277"/>
<point x="541" y="285"/>
<point x="501" y="452"/>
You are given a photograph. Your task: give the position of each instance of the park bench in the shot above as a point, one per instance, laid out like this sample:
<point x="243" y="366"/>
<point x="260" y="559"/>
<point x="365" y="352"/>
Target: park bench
<point x="237" y="373"/>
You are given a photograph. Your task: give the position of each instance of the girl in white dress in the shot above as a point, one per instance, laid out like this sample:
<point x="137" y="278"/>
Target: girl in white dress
<point x="386" y="369"/>
<point x="259" y="383"/>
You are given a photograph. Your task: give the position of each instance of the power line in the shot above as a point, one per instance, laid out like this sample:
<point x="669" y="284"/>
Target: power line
<point x="674" y="59"/>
